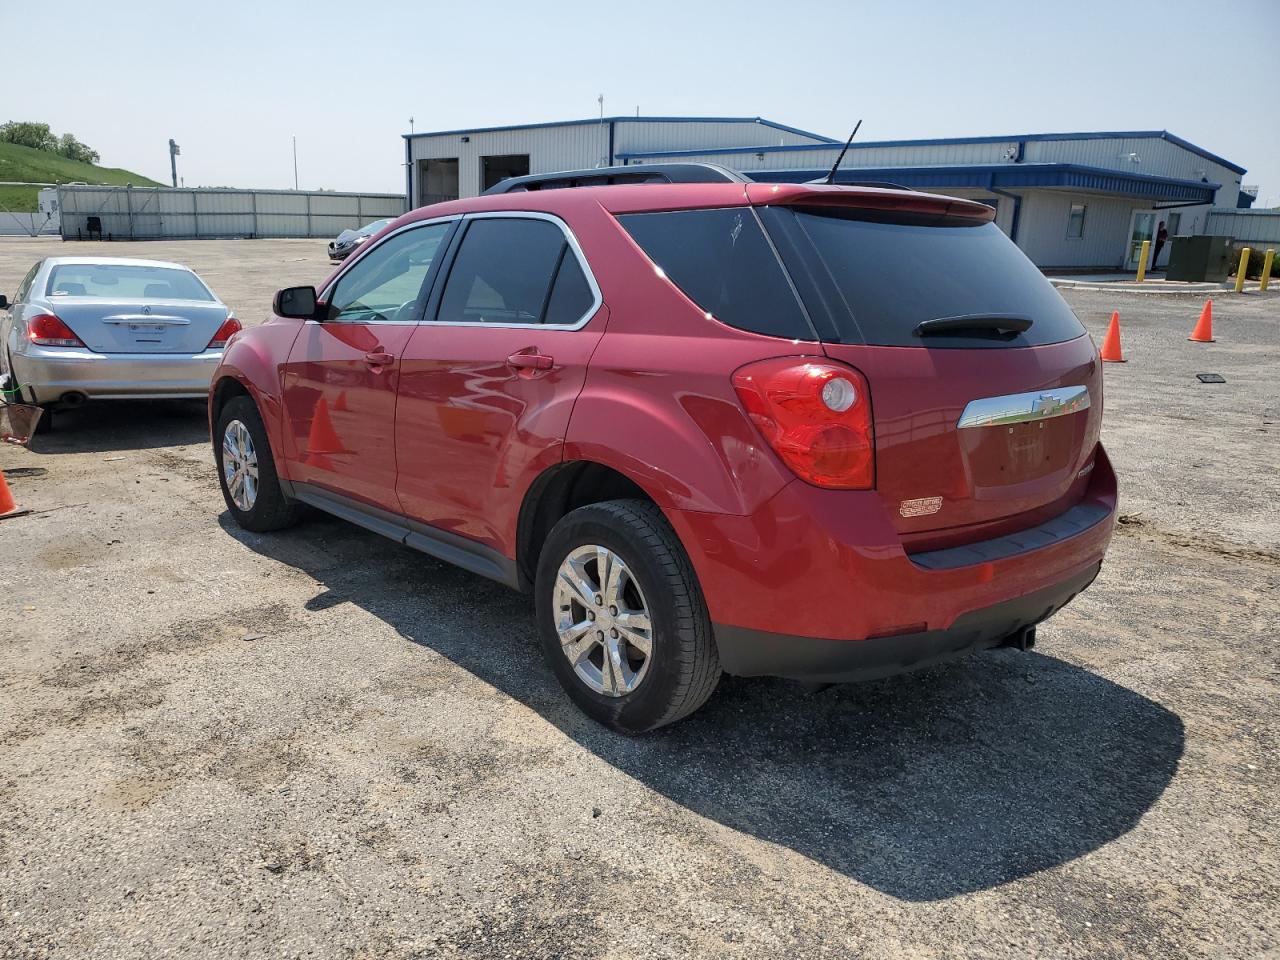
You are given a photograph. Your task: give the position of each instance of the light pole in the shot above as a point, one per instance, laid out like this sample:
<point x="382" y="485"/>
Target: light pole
<point x="174" y="150"/>
<point x="295" y="163"/>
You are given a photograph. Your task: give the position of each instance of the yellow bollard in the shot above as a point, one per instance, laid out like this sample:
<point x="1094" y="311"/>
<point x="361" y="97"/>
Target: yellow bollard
<point x="1266" y="267"/>
<point x="1142" y="263"/>
<point x="1242" y="269"/>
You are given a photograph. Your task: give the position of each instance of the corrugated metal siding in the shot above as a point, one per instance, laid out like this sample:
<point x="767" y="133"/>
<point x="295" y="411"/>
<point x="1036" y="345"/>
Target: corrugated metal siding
<point x="1155" y="157"/>
<point x="1246" y="226"/>
<point x="933" y="155"/>
<point x="1042" y="230"/>
<point x="189" y="213"/>
<point x="568" y="147"/>
<point x="642" y="135"/>
<point x="583" y="145"/>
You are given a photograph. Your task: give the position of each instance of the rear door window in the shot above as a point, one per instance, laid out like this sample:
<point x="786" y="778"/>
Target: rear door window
<point x="722" y="261"/>
<point x="515" y="270"/>
<point x="872" y="280"/>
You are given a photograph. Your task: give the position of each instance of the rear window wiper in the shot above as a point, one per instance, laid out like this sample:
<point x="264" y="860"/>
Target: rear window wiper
<point x="1006" y="323"/>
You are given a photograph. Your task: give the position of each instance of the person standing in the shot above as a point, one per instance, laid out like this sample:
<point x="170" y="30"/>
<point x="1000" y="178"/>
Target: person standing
<point x="1161" y="236"/>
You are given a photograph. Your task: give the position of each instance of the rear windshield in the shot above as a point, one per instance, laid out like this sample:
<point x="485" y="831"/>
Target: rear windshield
<point x="872" y="281"/>
<point x="118" y="281"/>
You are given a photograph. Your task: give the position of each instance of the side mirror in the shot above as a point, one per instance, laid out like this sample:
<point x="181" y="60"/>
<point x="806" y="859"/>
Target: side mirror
<point x="4" y="302"/>
<point x="299" y="303"/>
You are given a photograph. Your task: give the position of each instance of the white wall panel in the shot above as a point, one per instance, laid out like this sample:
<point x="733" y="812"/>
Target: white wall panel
<point x="162" y="212"/>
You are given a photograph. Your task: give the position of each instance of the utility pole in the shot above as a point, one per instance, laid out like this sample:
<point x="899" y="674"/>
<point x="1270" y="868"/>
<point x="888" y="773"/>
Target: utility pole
<point x="411" y="126"/>
<point x="174" y="150"/>
<point x="604" y="160"/>
<point x="295" y="163"/>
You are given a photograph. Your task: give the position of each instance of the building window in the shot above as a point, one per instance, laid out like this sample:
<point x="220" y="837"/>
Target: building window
<point x="1075" y="222"/>
<point x="1175" y="221"/>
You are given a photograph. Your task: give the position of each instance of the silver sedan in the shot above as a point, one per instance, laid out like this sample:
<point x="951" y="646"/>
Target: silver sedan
<point x="82" y="328"/>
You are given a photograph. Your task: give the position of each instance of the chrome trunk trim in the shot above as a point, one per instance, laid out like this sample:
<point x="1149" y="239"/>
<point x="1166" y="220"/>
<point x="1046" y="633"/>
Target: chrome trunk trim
<point x="1023" y="407"/>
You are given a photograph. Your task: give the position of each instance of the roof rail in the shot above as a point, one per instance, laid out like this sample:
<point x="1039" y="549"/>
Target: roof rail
<point x="635" y="173"/>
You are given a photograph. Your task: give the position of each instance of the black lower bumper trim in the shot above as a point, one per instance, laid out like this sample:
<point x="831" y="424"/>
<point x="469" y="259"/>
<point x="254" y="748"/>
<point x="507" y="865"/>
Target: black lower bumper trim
<point x="754" y="653"/>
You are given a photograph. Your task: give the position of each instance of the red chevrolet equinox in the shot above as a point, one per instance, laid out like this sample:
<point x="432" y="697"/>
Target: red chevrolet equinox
<point x="817" y="432"/>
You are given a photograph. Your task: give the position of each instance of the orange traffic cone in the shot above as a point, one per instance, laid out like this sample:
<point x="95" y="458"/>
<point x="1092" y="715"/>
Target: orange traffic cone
<point x="7" y="503"/>
<point x="340" y="404"/>
<point x="1111" y="352"/>
<point x="1203" y="333"/>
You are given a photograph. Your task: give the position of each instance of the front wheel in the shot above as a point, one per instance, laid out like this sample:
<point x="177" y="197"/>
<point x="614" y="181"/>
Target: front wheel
<point x="247" y="471"/>
<point x="622" y="619"/>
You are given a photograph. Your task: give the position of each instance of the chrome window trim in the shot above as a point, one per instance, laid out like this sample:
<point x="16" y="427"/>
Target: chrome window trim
<point x="360" y="255"/>
<point x="1024" y="407"/>
<point x="597" y="300"/>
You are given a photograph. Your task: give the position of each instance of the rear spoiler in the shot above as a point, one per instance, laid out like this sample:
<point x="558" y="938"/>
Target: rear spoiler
<point x="868" y="198"/>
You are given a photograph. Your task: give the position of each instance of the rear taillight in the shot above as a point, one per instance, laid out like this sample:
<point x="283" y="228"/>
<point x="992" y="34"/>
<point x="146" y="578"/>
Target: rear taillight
<point x="48" y="330"/>
<point x="230" y="327"/>
<point x="816" y="415"/>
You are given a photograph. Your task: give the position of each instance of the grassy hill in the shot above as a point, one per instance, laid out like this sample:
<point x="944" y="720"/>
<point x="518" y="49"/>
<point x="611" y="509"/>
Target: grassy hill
<point x="39" y="166"/>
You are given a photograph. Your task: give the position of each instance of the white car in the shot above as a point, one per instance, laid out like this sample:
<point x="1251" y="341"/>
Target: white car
<point x="81" y="328"/>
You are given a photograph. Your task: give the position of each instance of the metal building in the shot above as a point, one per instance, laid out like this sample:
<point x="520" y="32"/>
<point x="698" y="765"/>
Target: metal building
<point x="186" y="213"/>
<point x="1069" y="200"/>
<point x="450" y="164"/>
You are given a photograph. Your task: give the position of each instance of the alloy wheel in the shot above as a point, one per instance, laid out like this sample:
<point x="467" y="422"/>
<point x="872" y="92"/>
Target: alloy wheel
<point x="240" y="465"/>
<point x="603" y="620"/>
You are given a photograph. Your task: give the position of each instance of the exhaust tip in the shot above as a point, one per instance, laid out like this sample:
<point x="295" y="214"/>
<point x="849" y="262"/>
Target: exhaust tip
<point x="73" y="398"/>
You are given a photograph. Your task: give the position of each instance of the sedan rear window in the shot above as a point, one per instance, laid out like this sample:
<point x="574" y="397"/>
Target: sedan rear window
<point x="873" y="279"/>
<point x="116" y="281"/>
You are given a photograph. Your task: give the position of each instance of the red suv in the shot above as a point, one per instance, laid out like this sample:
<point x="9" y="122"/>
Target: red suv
<point x="808" y="431"/>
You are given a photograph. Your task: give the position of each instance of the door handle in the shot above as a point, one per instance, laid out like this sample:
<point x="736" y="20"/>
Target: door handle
<point x="530" y="359"/>
<point x="379" y="359"/>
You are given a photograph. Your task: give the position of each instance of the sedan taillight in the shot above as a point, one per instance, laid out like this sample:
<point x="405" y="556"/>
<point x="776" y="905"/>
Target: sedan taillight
<point x="230" y="327"/>
<point x="816" y="415"/>
<point x="48" y="330"/>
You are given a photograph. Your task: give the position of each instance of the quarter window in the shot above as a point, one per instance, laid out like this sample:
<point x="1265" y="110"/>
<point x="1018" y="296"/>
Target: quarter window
<point x="386" y="284"/>
<point x="25" y="285"/>
<point x="721" y="261"/>
<point x="515" y="270"/>
<point x="1075" y="222"/>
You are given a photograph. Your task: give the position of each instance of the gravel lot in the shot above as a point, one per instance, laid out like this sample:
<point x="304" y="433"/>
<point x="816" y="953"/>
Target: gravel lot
<point x="320" y="744"/>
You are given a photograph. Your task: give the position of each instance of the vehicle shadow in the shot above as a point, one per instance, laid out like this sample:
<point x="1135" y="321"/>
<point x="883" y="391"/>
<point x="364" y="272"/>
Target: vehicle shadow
<point x="923" y="786"/>
<point x="109" y="425"/>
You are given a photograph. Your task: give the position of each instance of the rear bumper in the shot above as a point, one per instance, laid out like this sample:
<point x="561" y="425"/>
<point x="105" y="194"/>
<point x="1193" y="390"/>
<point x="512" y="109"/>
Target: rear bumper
<point x="48" y="373"/>
<point x="752" y="653"/>
<point x="819" y="567"/>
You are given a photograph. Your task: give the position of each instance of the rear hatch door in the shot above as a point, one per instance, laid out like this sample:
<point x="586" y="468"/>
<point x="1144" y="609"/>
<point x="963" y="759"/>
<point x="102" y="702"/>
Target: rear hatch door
<point x="985" y="388"/>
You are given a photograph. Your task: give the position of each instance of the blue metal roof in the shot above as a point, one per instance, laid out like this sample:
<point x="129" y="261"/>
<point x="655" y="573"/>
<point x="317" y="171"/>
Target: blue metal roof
<point x="996" y="176"/>
<point x="951" y="141"/>
<point x="577" y="123"/>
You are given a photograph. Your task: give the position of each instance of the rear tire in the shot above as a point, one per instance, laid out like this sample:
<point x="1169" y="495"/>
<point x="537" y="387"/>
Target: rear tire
<point x="656" y="586"/>
<point x="257" y="502"/>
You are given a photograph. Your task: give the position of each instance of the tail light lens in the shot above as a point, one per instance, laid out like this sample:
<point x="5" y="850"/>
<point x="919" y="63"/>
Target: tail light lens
<point x="816" y="415"/>
<point x="230" y="327"/>
<point x="48" y="330"/>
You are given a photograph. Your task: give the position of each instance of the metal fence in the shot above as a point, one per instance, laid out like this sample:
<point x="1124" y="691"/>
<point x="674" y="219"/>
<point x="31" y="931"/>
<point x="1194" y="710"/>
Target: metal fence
<point x="26" y="225"/>
<point x="1245" y="226"/>
<point x="189" y="213"/>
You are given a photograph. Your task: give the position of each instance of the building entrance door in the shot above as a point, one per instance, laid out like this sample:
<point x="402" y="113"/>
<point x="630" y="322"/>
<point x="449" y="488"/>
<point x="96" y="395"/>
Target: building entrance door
<point x="1142" y="227"/>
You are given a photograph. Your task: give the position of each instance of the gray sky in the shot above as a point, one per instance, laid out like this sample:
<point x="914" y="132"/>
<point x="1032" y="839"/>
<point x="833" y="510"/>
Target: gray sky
<point x="232" y="82"/>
